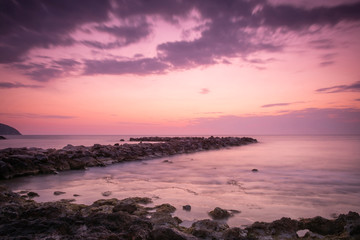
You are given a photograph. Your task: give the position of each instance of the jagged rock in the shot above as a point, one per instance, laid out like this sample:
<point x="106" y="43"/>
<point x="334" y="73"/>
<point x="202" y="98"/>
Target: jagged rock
<point x="128" y="219"/>
<point x="57" y="193"/>
<point x="219" y="213"/>
<point x="29" y="161"/>
<point x="32" y="194"/>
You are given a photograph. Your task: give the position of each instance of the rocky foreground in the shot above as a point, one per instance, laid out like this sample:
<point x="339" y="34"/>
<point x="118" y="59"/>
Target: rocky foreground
<point x="23" y="218"/>
<point x="16" y="162"/>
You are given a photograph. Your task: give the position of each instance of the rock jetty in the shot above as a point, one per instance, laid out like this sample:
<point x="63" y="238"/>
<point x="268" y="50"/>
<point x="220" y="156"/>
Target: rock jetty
<point x="16" y="162"/>
<point x="130" y="218"/>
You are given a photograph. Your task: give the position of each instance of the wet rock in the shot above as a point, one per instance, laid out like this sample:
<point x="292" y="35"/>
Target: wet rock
<point x="122" y="140"/>
<point x="254" y="170"/>
<point x="2" y="138"/>
<point x="32" y="194"/>
<point x="76" y="195"/>
<point x="165" y="233"/>
<point x="208" y="229"/>
<point x="324" y="226"/>
<point x="106" y="194"/>
<point x="29" y="161"/>
<point x="219" y="213"/>
<point x="57" y="193"/>
<point x="187" y="207"/>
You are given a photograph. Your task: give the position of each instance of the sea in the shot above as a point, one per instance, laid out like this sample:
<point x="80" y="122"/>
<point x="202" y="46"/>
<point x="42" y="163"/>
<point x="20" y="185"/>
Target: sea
<point x="296" y="177"/>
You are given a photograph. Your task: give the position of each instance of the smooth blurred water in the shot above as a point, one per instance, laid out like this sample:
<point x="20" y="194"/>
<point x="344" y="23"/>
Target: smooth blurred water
<point x="298" y="176"/>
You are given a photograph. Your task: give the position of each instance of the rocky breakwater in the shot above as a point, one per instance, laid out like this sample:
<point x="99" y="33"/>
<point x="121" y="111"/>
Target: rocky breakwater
<point x="30" y="161"/>
<point x="131" y="218"/>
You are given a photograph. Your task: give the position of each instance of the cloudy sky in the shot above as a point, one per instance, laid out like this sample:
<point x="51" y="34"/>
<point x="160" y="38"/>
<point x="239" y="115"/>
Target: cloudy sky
<point x="180" y="66"/>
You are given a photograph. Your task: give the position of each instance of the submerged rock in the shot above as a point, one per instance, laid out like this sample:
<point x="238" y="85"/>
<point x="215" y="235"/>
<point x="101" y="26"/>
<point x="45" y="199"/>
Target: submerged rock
<point x="106" y="194"/>
<point x="219" y="213"/>
<point x="57" y="193"/>
<point x="32" y="194"/>
<point x="187" y="208"/>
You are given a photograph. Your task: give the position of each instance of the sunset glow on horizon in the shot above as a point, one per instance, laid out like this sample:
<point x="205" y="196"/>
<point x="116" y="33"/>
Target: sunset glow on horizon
<point x="180" y="67"/>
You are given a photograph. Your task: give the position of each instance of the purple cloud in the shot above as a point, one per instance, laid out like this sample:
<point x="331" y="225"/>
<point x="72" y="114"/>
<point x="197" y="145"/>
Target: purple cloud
<point x="307" y="121"/>
<point x="355" y="87"/>
<point x="275" y="105"/>
<point x="47" y="71"/>
<point x="322" y="44"/>
<point x="25" y="25"/>
<point x="230" y="29"/>
<point x="8" y="85"/>
<point x="111" y="66"/>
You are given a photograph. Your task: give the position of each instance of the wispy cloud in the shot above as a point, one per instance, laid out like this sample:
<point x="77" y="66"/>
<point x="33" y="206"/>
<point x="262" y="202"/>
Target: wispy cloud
<point x="355" y="87"/>
<point x="33" y="115"/>
<point x="204" y="91"/>
<point x="9" y="85"/>
<point x="306" y="121"/>
<point x="275" y="105"/>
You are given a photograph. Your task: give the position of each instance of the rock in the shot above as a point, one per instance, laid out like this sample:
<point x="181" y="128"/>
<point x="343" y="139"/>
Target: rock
<point x="122" y="140"/>
<point x="187" y="207"/>
<point x="22" y="161"/>
<point x="32" y="194"/>
<point x="57" y="193"/>
<point x="219" y="213"/>
<point x="76" y="195"/>
<point x="2" y="138"/>
<point x="254" y="170"/>
<point x="106" y="194"/>
<point x="7" y="130"/>
<point x="128" y="219"/>
<point x="167" y="161"/>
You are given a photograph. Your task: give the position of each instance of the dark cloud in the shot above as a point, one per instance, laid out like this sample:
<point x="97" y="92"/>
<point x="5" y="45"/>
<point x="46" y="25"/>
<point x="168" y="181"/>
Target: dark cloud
<point x="275" y="105"/>
<point x="230" y="30"/>
<point x="355" y="87"/>
<point x="9" y="85"/>
<point x="139" y="66"/>
<point x="101" y="45"/>
<point x="43" y="72"/>
<point x="128" y="34"/>
<point x="27" y="24"/>
<point x="295" y="18"/>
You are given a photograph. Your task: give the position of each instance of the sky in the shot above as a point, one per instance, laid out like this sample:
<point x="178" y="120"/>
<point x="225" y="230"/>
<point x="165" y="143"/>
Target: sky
<point x="209" y="67"/>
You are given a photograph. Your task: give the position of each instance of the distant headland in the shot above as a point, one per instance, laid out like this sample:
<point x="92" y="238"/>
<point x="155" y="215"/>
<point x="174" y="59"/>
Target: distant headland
<point x="7" y="130"/>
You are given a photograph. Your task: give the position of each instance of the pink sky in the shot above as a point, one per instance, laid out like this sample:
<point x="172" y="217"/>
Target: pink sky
<point x="180" y="67"/>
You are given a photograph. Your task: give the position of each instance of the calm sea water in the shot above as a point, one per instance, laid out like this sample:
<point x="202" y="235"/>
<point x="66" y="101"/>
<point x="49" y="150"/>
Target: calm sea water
<point x="299" y="176"/>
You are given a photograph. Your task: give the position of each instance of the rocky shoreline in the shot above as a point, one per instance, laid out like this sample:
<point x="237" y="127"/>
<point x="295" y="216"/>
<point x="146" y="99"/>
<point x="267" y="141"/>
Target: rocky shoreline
<point x="15" y="162"/>
<point x="130" y="218"/>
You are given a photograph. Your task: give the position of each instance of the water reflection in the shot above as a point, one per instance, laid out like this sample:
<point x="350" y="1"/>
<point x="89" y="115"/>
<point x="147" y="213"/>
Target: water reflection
<point x="297" y="177"/>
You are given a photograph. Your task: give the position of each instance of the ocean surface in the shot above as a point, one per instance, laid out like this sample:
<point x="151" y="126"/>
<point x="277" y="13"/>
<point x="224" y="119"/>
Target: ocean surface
<point x="298" y="176"/>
